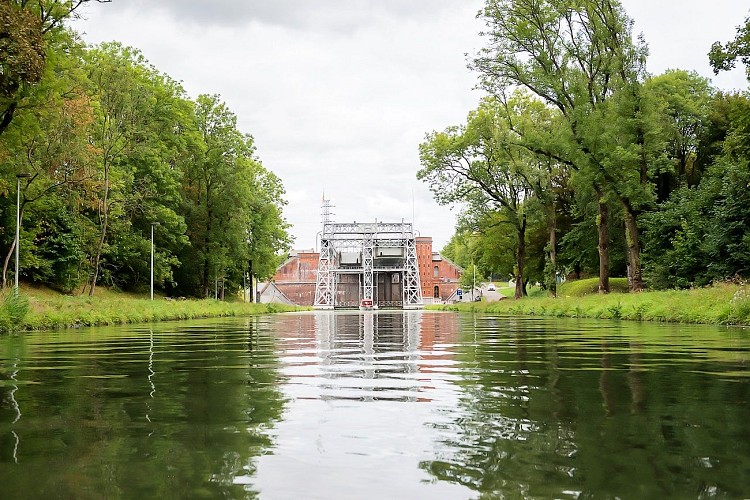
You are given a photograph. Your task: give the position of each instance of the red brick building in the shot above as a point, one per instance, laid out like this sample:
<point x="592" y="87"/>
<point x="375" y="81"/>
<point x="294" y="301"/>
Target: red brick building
<point x="438" y="275"/>
<point x="294" y="281"/>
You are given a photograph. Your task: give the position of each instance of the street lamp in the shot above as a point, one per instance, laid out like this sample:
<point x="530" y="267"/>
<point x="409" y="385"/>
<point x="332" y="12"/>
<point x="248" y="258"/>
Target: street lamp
<point x="152" y="258"/>
<point x="474" y="280"/>
<point x="23" y="175"/>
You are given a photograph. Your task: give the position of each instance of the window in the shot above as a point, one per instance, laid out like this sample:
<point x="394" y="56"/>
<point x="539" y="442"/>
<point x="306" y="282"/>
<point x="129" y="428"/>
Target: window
<point x="435" y="272"/>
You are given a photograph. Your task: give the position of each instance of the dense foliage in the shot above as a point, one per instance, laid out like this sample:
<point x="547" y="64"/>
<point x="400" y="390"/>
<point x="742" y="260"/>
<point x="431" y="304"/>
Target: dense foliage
<point x="116" y="151"/>
<point x="583" y="164"/>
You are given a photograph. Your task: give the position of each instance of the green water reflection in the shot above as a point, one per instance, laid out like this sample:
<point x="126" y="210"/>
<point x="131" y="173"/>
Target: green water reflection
<point x="171" y="412"/>
<point x="377" y="405"/>
<point x="554" y="409"/>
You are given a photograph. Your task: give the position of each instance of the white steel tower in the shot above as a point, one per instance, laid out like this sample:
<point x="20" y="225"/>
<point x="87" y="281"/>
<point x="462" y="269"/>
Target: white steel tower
<point x="358" y="258"/>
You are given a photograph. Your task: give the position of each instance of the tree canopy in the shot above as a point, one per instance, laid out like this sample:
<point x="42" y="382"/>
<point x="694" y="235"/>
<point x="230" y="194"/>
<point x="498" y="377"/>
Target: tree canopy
<point x="580" y="162"/>
<point x="115" y="149"/>
<point x="723" y="57"/>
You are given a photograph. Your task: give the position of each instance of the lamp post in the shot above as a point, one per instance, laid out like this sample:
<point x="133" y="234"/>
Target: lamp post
<point x="474" y="280"/>
<point x="152" y="258"/>
<point x="20" y="176"/>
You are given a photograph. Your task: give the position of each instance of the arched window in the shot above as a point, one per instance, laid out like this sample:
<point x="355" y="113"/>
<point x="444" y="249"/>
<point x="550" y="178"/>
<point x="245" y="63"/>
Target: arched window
<point x="436" y="292"/>
<point x="435" y="272"/>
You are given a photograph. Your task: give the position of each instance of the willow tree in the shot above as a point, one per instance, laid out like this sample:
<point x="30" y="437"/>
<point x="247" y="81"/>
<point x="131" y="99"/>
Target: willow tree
<point x="575" y="55"/>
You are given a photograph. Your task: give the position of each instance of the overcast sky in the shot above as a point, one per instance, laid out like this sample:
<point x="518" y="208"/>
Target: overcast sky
<point x="338" y="94"/>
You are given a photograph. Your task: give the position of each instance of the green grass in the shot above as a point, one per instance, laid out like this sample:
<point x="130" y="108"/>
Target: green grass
<point x="51" y="310"/>
<point x="579" y="288"/>
<point x="724" y="304"/>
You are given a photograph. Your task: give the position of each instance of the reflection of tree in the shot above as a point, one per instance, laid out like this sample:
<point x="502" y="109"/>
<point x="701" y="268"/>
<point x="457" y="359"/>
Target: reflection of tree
<point x="499" y="442"/>
<point x="209" y="392"/>
<point x="550" y="414"/>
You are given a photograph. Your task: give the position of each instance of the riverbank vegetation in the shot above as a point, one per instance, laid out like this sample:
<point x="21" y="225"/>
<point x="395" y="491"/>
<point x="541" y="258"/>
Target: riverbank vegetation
<point x="108" y="156"/>
<point x="725" y="304"/>
<point x="43" y="309"/>
<point x="579" y="163"/>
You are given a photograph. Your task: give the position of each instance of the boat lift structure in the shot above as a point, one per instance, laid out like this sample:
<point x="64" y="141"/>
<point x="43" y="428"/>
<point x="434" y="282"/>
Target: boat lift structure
<point x="367" y="265"/>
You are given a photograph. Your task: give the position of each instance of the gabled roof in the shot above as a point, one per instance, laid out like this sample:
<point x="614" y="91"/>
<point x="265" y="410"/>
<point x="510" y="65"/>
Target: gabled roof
<point x="451" y="262"/>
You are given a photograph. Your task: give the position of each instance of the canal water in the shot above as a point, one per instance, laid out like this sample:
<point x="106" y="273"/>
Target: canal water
<point x="377" y="405"/>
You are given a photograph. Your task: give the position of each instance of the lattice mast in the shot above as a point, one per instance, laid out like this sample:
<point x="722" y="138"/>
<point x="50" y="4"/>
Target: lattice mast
<point x="412" y="284"/>
<point x="368" y="263"/>
<point x="325" y="287"/>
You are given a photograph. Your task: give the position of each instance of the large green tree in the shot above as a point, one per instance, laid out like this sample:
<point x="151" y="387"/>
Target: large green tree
<point x="232" y="205"/>
<point x="481" y="165"/>
<point x="576" y="56"/>
<point x="49" y="139"/>
<point x="701" y="233"/>
<point x="135" y="103"/>
<point x="680" y="101"/>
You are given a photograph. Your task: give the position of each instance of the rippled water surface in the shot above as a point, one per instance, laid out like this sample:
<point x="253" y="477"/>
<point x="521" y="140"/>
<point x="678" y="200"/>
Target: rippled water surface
<point x="377" y="405"/>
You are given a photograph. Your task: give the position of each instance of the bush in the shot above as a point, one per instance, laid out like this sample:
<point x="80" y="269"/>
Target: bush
<point x="579" y="288"/>
<point x="13" y="311"/>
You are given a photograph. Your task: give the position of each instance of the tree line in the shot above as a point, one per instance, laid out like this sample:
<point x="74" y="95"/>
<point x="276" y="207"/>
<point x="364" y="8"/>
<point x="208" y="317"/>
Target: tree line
<point x="109" y="150"/>
<point x="580" y="162"/>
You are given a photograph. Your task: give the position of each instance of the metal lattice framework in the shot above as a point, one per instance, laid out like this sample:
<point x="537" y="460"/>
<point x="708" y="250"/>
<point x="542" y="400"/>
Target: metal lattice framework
<point x="366" y="238"/>
<point x="412" y="286"/>
<point x="325" y="289"/>
<point x="368" y="264"/>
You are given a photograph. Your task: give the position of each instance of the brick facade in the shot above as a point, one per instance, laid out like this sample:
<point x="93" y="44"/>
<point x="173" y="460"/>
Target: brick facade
<point x="296" y="277"/>
<point x="438" y="275"/>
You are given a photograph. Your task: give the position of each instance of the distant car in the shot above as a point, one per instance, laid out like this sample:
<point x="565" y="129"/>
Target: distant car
<point x="491" y="287"/>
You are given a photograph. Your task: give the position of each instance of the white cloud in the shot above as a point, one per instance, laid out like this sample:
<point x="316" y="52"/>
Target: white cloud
<point x="327" y="15"/>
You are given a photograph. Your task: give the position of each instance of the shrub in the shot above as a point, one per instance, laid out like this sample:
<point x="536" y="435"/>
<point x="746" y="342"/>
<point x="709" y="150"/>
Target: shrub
<point x="739" y="307"/>
<point x="13" y="311"/>
<point x="579" y="288"/>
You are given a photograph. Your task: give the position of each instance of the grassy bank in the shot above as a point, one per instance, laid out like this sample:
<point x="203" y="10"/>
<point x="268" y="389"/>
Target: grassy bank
<point x="50" y="310"/>
<point x="724" y="304"/>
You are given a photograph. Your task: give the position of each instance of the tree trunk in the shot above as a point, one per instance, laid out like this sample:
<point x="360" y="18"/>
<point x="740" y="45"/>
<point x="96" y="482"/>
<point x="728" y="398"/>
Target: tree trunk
<point x="207" y="245"/>
<point x="7" y="261"/>
<point x="12" y="247"/>
<point x="7" y="116"/>
<point x="521" y="258"/>
<point x="553" y="249"/>
<point x="632" y="239"/>
<point x="602" y="223"/>
<point x="105" y="223"/>
<point x="206" y="289"/>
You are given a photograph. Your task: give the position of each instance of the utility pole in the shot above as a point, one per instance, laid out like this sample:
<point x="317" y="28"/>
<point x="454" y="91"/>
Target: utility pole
<point x="474" y="280"/>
